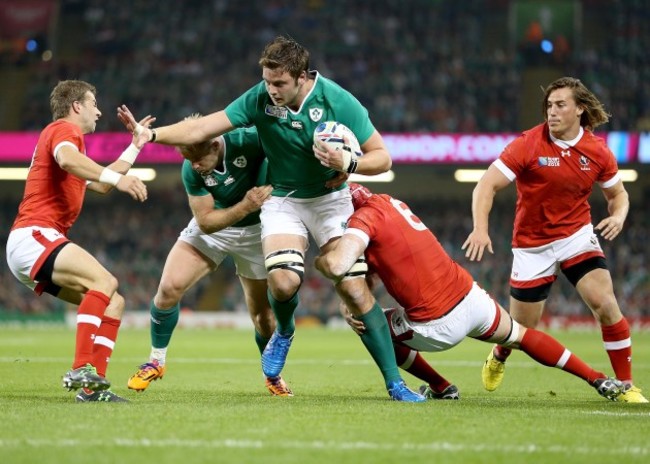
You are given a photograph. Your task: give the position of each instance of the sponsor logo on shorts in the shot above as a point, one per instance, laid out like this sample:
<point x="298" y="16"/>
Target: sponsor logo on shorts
<point x="276" y="111"/>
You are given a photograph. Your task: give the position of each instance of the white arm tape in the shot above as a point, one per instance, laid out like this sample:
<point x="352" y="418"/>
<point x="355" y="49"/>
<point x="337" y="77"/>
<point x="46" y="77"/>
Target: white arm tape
<point x="110" y="177"/>
<point x="130" y="154"/>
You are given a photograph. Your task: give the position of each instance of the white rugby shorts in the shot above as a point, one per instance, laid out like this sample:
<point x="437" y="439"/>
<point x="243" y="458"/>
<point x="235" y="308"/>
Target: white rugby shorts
<point x="475" y="316"/>
<point x="323" y="217"/>
<point x="243" y="244"/>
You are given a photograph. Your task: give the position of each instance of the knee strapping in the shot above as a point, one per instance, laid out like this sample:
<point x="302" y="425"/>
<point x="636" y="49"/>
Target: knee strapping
<point x="513" y="335"/>
<point x="289" y="259"/>
<point x="358" y="269"/>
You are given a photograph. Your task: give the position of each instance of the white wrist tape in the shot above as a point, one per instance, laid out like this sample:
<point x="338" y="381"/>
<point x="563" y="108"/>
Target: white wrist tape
<point x="130" y="154"/>
<point x="347" y="159"/>
<point x="138" y="129"/>
<point x="109" y="176"/>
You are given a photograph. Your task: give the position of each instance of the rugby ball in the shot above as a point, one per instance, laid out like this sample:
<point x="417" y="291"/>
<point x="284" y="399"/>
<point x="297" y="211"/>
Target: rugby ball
<point x="333" y="133"/>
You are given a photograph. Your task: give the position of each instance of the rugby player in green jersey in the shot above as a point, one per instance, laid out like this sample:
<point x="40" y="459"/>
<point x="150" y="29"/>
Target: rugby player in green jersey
<point x="224" y="179"/>
<point x="285" y="107"/>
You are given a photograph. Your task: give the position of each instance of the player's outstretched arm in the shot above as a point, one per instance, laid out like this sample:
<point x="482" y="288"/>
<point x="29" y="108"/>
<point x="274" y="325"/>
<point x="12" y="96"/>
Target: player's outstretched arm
<point x="186" y="132"/>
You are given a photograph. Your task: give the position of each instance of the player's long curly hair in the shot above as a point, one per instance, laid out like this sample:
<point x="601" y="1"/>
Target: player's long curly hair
<point x="65" y="94"/>
<point x="285" y="54"/>
<point x="594" y="113"/>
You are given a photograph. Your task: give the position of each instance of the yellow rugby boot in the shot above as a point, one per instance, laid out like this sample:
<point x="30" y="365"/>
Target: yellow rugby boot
<point x="492" y="372"/>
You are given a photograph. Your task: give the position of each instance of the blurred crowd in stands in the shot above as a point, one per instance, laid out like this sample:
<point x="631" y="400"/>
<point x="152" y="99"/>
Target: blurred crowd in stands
<point x="418" y="65"/>
<point x="132" y="241"/>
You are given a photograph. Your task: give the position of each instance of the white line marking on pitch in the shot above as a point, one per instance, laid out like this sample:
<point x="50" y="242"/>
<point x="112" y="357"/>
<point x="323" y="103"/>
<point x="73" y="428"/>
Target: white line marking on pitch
<point x="530" y="448"/>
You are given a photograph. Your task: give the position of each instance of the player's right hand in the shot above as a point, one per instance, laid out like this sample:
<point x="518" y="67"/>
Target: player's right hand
<point x="133" y="186"/>
<point x="476" y="243"/>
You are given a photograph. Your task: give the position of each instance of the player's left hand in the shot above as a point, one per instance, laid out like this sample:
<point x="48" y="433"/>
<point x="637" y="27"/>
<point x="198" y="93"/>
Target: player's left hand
<point x="610" y="227"/>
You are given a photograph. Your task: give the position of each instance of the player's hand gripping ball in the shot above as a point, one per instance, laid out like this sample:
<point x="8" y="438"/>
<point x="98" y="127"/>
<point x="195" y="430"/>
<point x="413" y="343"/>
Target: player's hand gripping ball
<point x="335" y="135"/>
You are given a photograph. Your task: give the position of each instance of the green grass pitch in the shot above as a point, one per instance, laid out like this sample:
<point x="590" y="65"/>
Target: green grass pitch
<point x="212" y="406"/>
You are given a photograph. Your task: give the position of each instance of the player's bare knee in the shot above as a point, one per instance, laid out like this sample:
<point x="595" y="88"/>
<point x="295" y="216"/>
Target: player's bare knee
<point x="107" y="285"/>
<point x="606" y="310"/>
<point x="283" y="286"/>
<point x="168" y="295"/>
<point x="115" y="308"/>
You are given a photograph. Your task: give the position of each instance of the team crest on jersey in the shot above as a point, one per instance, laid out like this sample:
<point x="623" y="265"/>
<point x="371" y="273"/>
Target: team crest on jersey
<point x="315" y="114"/>
<point x="550" y="161"/>
<point x="209" y="181"/>
<point x="584" y="163"/>
<point x="276" y="111"/>
<point x="240" y="162"/>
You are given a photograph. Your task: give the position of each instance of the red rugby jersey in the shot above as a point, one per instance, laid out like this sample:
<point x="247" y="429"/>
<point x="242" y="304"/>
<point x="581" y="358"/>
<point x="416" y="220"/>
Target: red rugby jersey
<point x="53" y="197"/>
<point x="412" y="264"/>
<point x="554" y="181"/>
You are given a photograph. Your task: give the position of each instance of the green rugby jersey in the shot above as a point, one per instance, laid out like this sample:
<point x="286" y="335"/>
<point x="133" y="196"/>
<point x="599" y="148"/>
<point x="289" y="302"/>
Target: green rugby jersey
<point x="244" y="166"/>
<point x="287" y="136"/>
